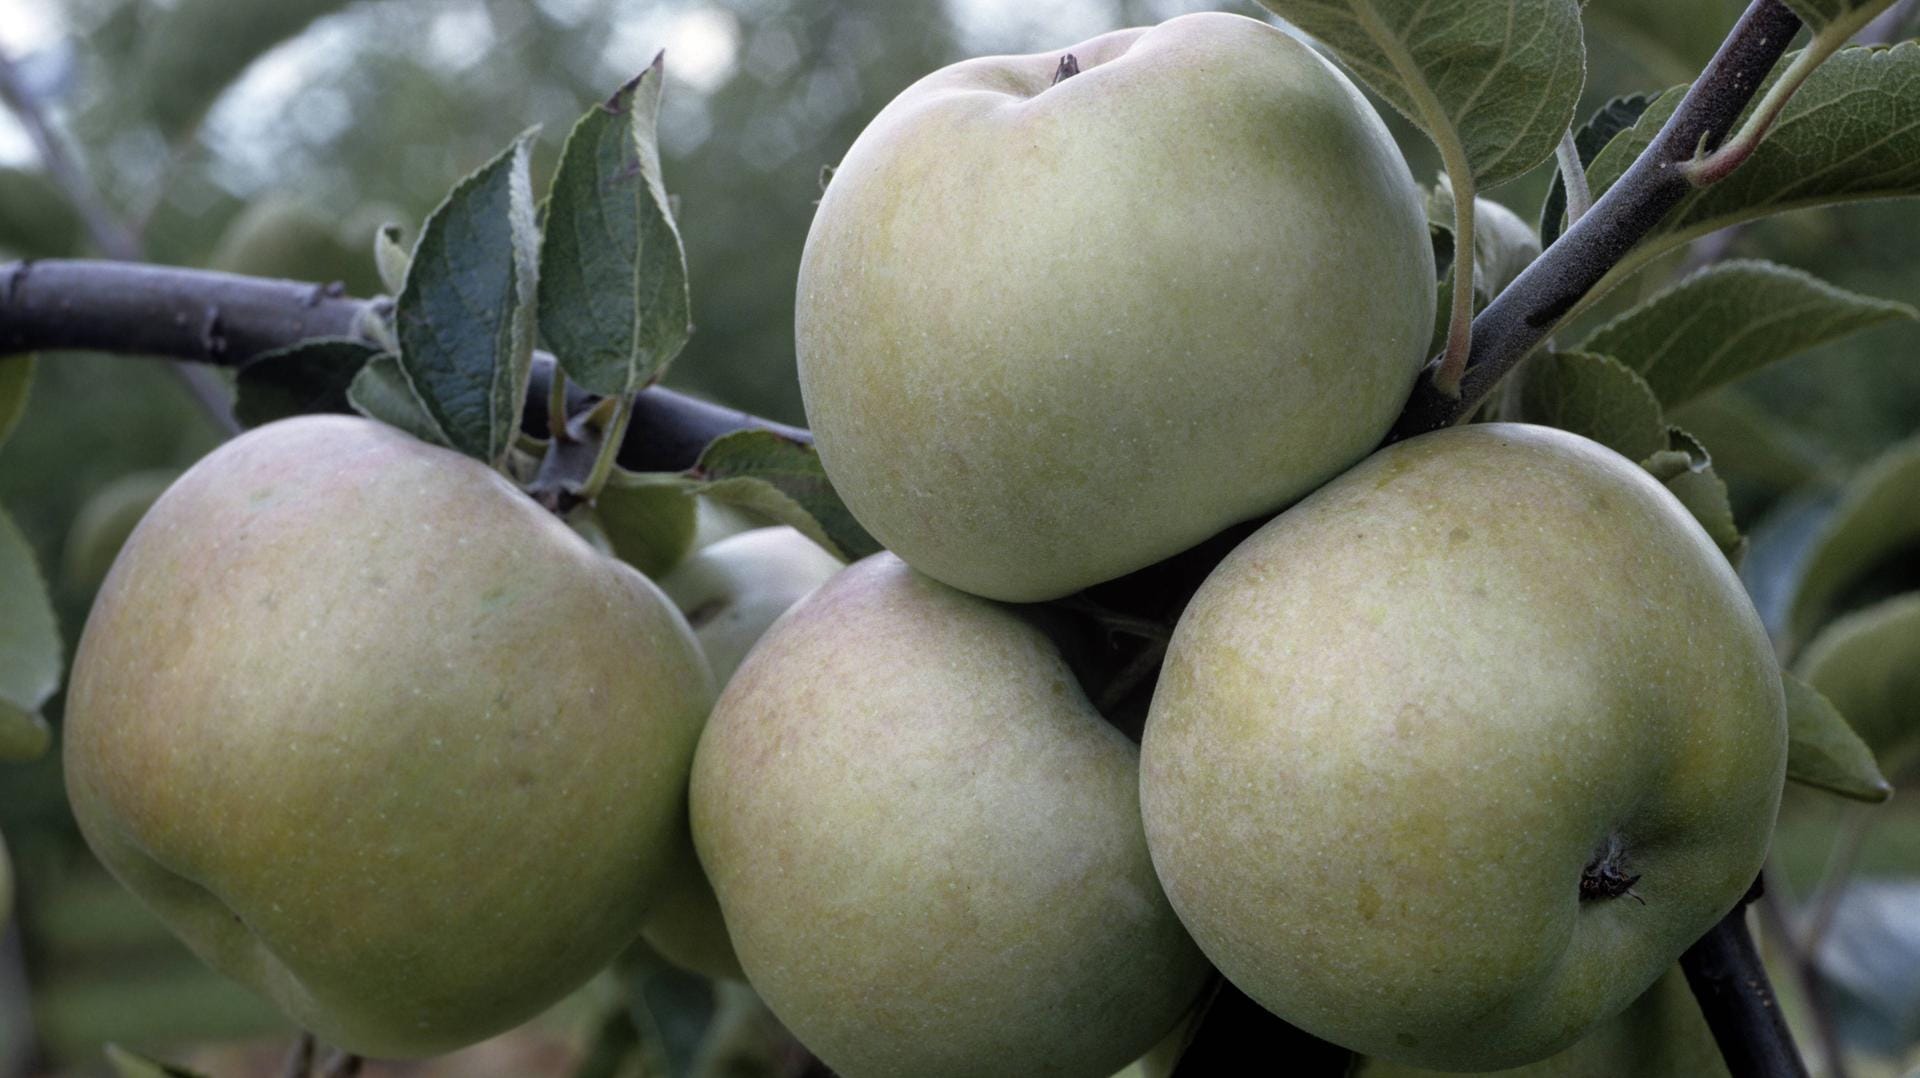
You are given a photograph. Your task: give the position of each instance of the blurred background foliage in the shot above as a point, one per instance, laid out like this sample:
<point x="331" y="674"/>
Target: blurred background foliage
<point x="275" y="136"/>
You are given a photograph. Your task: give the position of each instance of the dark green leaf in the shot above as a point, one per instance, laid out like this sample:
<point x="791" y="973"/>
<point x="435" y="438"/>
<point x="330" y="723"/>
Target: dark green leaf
<point x="1851" y="132"/>
<point x="1876" y="518"/>
<point x="614" y="305"/>
<point x="1868" y="664"/>
<point x="1729" y="320"/>
<point x="1495" y="79"/>
<point x="1824" y="752"/>
<point x="30" y="661"/>
<point x="1687" y="470"/>
<point x="380" y="391"/>
<point x="1593" y="396"/>
<point x="782" y="480"/>
<point x="16" y="379"/>
<point x="465" y="315"/>
<point x="308" y="376"/>
<point x="1609" y="120"/>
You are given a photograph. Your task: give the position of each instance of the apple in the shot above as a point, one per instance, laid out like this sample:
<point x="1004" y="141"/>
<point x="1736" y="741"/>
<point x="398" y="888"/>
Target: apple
<point x="1049" y="332"/>
<point x="1662" y="1035"/>
<point x="927" y="842"/>
<point x="1451" y="760"/>
<point x="730" y="592"/>
<point x="381" y="738"/>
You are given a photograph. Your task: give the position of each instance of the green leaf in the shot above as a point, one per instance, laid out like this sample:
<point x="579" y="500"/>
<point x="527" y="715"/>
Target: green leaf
<point x="1851" y="132"/>
<point x="308" y="376"/>
<point x="30" y="661"/>
<point x="1494" y="82"/>
<point x="782" y="480"/>
<point x="1874" y="521"/>
<point x="16" y="378"/>
<point x="1824" y="752"/>
<point x="380" y="391"/>
<point x="1868" y="664"/>
<point x="390" y="258"/>
<point x="1730" y="320"/>
<point x="1594" y="396"/>
<point x="614" y="305"/>
<point x="1687" y="471"/>
<point x="1609" y="120"/>
<point x="465" y="315"/>
<point x="1750" y="445"/>
<point x="648" y="518"/>
<point x="127" y="1064"/>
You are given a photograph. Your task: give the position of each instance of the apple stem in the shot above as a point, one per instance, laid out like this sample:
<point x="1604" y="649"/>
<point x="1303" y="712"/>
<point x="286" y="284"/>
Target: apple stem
<point x="1453" y="361"/>
<point x="1529" y="309"/>
<point x="1723" y="968"/>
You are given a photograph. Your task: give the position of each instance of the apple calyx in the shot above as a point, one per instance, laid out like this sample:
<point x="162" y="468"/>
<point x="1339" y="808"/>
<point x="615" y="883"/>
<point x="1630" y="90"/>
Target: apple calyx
<point x="1069" y="67"/>
<point x="1606" y="875"/>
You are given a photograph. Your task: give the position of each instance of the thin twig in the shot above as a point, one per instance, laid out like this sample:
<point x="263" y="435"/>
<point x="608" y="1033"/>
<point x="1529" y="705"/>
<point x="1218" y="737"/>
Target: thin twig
<point x="1723" y="969"/>
<point x="1524" y="313"/>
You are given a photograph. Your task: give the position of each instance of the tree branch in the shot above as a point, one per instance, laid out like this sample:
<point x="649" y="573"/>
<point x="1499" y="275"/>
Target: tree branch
<point x="1723" y="969"/>
<point x="228" y="320"/>
<point x="1523" y="314"/>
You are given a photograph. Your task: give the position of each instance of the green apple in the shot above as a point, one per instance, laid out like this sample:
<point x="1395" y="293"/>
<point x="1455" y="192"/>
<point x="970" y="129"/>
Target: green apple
<point x="1451" y="760"/>
<point x="1052" y="332"/>
<point x="927" y="842"/>
<point x="381" y="738"/>
<point x="1662" y="1035"/>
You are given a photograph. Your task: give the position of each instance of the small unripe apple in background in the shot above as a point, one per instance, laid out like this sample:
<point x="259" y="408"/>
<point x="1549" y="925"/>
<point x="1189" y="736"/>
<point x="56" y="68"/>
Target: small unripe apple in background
<point x="730" y="592"/>
<point x="1453" y="759"/>
<point x="927" y="842"/>
<point x="1049" y="333"/>
<point x="380" y="737"/>
<point x="1662" y="1035"/>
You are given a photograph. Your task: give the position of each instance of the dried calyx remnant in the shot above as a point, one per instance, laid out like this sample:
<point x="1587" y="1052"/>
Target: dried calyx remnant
<point x="1606" y="876"/>
<point x="1069" y="67"/>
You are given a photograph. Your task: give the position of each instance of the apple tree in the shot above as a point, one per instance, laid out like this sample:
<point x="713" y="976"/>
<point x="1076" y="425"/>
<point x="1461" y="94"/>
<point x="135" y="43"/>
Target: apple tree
<point x="1299" y="549"/>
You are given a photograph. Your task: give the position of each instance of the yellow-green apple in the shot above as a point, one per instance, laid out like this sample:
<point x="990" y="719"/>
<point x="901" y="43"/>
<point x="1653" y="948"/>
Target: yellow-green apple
<point x="1662" y="1035"/>
<point x="380" y="737"/>
<point x="730" y="592"/>
<point x="1451" y="760"/>
<point x="1052" y="330"/>
<point x="927" y="842"/>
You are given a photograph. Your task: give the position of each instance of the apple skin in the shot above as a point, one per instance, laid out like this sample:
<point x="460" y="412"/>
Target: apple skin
<point x="379" y="737"/>
<point x="927" y="842"/>
<point x="1662" y="1035"/>
<point x="1048" y="335"/>
<point x="1397" y="724"/>
<point x="730" y="592"/>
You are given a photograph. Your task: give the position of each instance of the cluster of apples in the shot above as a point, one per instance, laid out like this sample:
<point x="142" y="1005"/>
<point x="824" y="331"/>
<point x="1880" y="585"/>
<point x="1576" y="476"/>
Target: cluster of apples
<point x="1447" y="764"/>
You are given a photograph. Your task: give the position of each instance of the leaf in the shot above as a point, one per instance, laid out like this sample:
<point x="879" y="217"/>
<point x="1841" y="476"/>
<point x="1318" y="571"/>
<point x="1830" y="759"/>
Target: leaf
<point x="390" y="258"/>
<point x="1593" y="396"/>
<point x="16" y="378"/>
<point x="465" y="314"/>
<point x="1819" y="13"/>
<point x="1868" y="664"/>
<point x="1870" y="958"/>
<point x="304" y="377"/>
<point x="1607" y="121"/>
<point x="648" y="518"/>
<point x="127" y="1064"/>
<point x="614" y="305"/>
<point x="1875" y="519"/>
<point x="30" y="660"/>
<point x="1495" y="81"/>
<point x="1851" y="132"/>
<point x="1503" y="244"/>
<point x="1824" y="752"/>
<point x="380" y="391"/>
<point x="1687" y="471"/>
<point x="1750" y="445"/>
<point x="782" y="480"/>
<point x="1730" y="320"/>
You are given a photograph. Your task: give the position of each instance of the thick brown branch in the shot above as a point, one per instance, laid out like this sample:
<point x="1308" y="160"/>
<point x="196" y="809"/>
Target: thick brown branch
<point x="1726" y="976"/>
